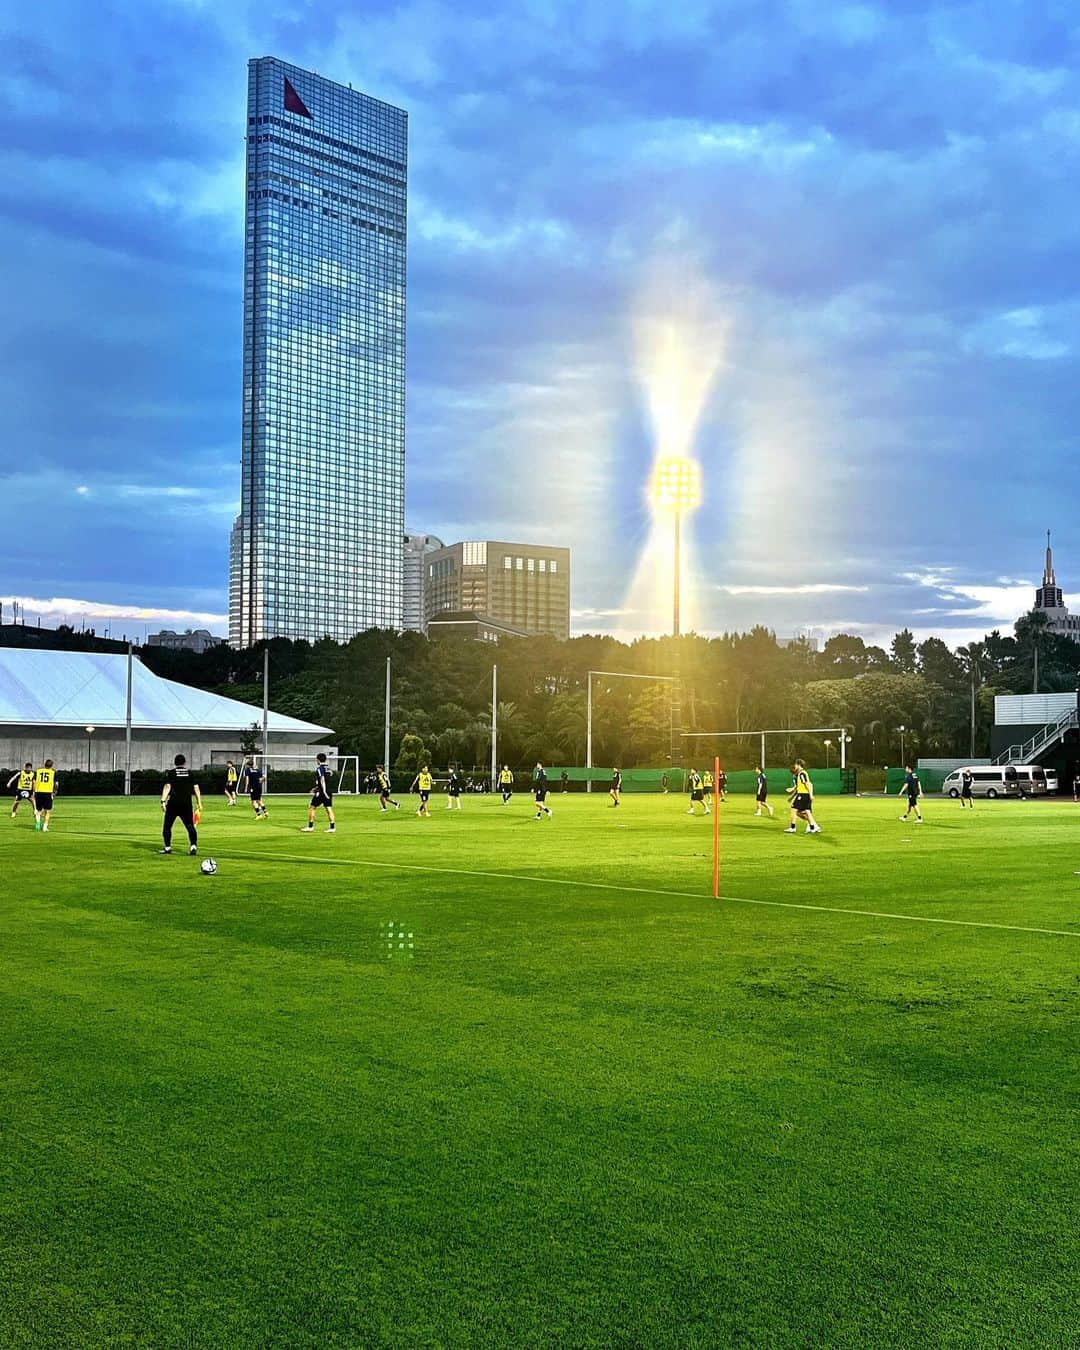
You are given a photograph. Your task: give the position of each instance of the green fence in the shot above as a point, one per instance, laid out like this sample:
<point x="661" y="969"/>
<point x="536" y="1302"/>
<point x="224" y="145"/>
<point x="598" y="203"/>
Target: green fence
<point x="931" y="780"/>
<point x="827" y="782"/>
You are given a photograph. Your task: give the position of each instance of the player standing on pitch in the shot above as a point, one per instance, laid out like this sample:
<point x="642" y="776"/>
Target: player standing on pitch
<point x="913" y="789"/>
<point x="697" y="793"/>
<point x="616" y="787"/>
<point x="506" y="784"/>
<point x="251" y="781"/>
<point x="322" y="794"/>
<point x="540" y="791"/>
<point x="453" y="791"/>
<point x="762" y="793"/>
<point x="23" y="783"/>
<point x="383" y="780"/>
<point x="966" y="795"/>
<point x="44" y="792"/>
<point x="801" y="793"/>
<point x="424" y="782"/>
<point x="231" y="779"/>
<point x="176" y="805"/>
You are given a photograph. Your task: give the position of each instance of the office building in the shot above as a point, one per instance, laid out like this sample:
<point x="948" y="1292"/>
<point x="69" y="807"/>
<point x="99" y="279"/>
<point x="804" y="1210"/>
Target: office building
<point x="316" y="550"/>
<point x="196" y="640"/>
<point x="1050" y="601"/>
<point x="417" y="547"/>
<point x="523" y="586"/>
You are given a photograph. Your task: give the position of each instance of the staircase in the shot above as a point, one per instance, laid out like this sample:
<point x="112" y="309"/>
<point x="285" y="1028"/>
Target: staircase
<point x="1043" y="739"/>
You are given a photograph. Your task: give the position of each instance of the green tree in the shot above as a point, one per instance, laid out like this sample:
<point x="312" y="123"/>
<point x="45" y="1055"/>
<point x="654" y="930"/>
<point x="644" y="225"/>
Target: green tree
<point x="412" y="755"/>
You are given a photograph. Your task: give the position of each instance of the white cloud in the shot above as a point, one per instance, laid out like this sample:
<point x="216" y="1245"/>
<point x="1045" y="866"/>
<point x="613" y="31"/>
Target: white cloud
<point x="66" y="609"/>
<point x="808" y="588"/>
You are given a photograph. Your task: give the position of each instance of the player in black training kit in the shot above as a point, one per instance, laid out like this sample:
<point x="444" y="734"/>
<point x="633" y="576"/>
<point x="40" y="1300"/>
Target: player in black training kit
<point x="540" y="791"/>
<point x="616" y="787"/>
<point x="966" y="798"/>
<point x="176" y="804"/>
<point x="453" y="791"/>
<point x="251" y="781"/>
<point x="322" y="794"/>
<point x="762" y="795"/>
<point x="913" y="788"/>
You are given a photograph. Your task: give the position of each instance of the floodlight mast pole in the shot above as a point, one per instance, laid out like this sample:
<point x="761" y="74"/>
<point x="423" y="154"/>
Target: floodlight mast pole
<point x="127" y="726"/>
<point x="266" y="707"/>
<point x="675" y="624"/>
<point x="494" y="726"/>
<point x="386" y="722"/>
<point x="588" y="734"/>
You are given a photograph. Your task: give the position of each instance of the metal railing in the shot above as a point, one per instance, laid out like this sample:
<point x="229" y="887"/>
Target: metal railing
<point x="1047" y="735"/>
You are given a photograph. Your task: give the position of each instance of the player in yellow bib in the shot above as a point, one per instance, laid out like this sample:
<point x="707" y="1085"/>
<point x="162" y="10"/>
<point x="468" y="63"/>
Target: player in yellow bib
<point x="424" y="782"/>
<point x="506" y="783"/>
<point x="801" y="793"/>
<point x="232" y="778"/>
<point x="44" y="792"/>
<point x="23" y="783"/>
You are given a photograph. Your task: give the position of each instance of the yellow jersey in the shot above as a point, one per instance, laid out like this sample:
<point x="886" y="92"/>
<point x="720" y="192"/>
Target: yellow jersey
<point x="26" y="780"/>
<point x="803" y="785"/>
<point x="425" y="782"/>
<point x="44" y="780"/>
<point x="706" y="778"/>
<point x="231" y="775"/>
<point x="506" y="778"/>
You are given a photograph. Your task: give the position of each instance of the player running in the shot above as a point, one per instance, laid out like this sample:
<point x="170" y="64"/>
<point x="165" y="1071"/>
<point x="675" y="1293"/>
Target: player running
<point x="721" y="786"/>
<point x="506" y="784"/>
<point x="177" y="793"/>
<point x="913" y="788"/>
<point x="801" y="793"/>
<point x="967" y="797"/>
<point x="23" y="783"/>
<point x="232" y="777"/>
<point x="322" y="794"/>
<point x="616" y="787"/>
<point x="761" y="795"/>
<point x="424" y="782"/>
<point x="697" y="793"/>
<point x="44" y="792"/>
<point x="453" y="791"/>
<point x="251" y="781"/>
<point x="382" y="779"/>
<point x="707" y="785"/>
<point x="540" y="791"/>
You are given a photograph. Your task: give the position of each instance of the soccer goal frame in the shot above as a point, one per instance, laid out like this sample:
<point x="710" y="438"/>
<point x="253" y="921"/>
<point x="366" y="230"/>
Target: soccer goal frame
<point x="343" y="767"/>
<point x="842" y="734"/>
<point x="610" y="675"/>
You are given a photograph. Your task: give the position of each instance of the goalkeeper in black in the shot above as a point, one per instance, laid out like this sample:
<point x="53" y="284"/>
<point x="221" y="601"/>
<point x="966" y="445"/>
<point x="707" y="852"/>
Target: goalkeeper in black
<point x="180" y="798"/>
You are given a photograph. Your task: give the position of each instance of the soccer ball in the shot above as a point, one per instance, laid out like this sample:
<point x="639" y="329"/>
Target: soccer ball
<point x="208" y="867"/>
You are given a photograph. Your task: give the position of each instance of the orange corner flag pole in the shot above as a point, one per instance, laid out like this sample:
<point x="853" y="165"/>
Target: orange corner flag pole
<point x="716" y="830"/>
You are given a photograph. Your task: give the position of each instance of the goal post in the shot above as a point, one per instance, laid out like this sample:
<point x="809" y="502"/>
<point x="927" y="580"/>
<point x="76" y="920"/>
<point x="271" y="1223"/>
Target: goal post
<point x="610" y="675"/>
<point x="288" y="770"/>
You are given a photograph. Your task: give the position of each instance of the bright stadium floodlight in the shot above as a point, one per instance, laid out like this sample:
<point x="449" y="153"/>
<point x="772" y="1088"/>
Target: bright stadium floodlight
<point x="676" y="487"/>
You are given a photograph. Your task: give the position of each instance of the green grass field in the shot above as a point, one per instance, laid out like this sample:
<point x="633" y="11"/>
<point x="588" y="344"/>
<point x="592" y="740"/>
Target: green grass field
<point x="583" y="1104"/>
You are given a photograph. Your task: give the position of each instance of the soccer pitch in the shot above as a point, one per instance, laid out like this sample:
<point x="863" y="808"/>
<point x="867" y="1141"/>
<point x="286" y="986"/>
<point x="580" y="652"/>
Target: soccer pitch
<point x="480" y="1080"/>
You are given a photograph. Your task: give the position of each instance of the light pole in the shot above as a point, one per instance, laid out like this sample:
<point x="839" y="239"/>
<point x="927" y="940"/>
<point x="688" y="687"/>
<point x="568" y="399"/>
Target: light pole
<point x="903" y="757"/>
<point x="89" y="742"/>
<point x="828" y="752"/>
<point x="676" y="488"/>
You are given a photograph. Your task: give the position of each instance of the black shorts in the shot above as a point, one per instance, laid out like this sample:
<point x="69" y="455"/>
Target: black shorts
<point x="23" y="794"/>
<point x="230" y="786"/>
<point x="541" y="794"/>
<point x="43" y="801"/>
<point x="453" y="792"/>
<point x="763" y="794"/>
<point x="322" y="799"/>
<point x="384" y="794"/>
<point x="256" y="797"/>
<point x="912" y="803"/>
<point x="425" y="793"/>
<point x="802" y="801"/>
<point x="698" y="795"/>
<point x="965" y="792"/>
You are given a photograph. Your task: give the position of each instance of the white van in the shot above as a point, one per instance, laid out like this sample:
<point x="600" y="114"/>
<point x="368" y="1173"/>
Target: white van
<point x="987" y="780"/>
<point x="1033" y="780"/>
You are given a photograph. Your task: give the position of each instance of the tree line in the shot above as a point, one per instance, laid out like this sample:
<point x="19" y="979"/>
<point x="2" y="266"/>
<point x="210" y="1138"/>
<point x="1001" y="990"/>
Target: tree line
<point x="740" y="682"/>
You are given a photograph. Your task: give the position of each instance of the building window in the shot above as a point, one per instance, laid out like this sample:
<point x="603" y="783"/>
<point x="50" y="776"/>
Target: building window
<point x="474" y="554"/>
<point x="519" y="563"/>
<point x="508" y="562"/>
<point x="543" y="564"/>
<point x="554" y="565"/>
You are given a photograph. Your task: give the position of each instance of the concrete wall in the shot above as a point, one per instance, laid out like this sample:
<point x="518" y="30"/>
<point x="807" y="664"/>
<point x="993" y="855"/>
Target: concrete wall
<point x="69" y="749"/>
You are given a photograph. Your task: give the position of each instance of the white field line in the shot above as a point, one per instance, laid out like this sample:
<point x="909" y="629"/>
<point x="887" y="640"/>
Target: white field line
<point x="625" y="890"/>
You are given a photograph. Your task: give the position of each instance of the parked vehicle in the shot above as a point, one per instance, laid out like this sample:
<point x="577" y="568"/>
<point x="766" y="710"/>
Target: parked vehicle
<point x="987" y="780"/>
<point x="1032" y="779"/>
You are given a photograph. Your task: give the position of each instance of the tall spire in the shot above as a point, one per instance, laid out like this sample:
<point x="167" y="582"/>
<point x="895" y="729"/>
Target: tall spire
<point x="1048" y="571"/>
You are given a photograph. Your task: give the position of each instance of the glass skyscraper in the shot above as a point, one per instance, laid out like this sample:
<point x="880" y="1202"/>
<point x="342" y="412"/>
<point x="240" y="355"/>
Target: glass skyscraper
<point x="316" y="549"/>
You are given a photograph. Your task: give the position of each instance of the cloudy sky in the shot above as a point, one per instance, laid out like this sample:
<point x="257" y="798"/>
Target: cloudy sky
<point x="830" y="249"/>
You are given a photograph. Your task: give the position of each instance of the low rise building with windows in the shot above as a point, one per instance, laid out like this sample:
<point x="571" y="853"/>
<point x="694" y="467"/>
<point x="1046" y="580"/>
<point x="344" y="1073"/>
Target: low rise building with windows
<point x="525" y="587"/>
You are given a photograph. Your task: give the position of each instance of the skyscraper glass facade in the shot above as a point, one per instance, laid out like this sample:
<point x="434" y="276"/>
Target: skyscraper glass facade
<point x="317" y="547"/>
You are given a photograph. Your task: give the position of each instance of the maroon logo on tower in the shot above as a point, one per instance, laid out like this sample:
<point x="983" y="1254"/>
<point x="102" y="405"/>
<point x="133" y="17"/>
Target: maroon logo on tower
<point x="293" y="102"/>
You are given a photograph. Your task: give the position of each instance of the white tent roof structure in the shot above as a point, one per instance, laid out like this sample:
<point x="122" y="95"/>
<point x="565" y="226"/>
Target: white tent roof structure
<point x="76" y="689"/>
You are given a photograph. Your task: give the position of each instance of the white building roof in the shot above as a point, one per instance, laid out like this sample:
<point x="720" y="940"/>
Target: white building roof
<point x="50" y="688"/>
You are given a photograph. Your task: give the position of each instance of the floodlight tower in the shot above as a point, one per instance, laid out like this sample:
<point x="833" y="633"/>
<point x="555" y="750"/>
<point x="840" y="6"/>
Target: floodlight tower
<point x="676" y="489"/>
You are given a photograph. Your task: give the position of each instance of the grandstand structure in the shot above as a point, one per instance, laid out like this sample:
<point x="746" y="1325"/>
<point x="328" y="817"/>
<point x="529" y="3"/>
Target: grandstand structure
<point x="72" y="707"/>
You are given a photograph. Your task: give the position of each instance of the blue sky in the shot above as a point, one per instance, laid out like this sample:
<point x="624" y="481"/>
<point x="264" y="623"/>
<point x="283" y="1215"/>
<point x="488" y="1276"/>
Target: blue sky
<point x="838" y="240"/>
